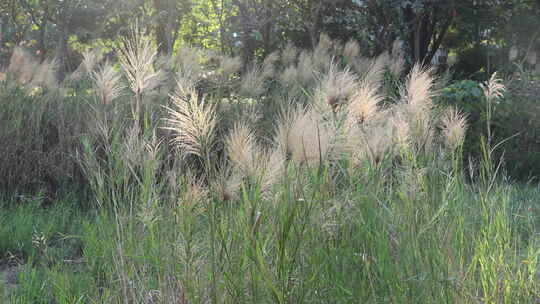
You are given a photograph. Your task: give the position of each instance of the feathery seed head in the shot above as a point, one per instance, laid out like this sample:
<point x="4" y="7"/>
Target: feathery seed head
<point x="45" y="75"/>
<point x="91" y="59"/>
<point x="227" y="183"/>
<point x="370" y="143"/>
<point x="351" y="50"/>
<point x="253" y="82"/>
<point x="192" y="122"/>
<point x="230" y="65"/>
<point x="195" y="192"/>
<point x="337" y="86"/>
<point x="268" y="65"/>
<point x="309" y="140"/>
<point x="29" y="72"/>
<point x="305" y="68"/>
<point x="137" y="55"/>
<point x="107" y="83"/>
<point x="419" y="89"/>
<point x="289" y="54"/>
<point x="454" y="127"/>
<point x="402" y="133"/>
<point x="397" y="59"/>
<point x="371" y="71"/>
<point x="493" y="88"/>
<point x="274" y="166"/>
<point x="364" y="105"/>
<point x="22" y="64"/>
<point x="251" y="161"/>
<point x="325" y="44"/>
<point x="189" y="64"/>
<point x="417" y="108"/>
<point x="289" y="76"/>
<point x="242" y="150"/>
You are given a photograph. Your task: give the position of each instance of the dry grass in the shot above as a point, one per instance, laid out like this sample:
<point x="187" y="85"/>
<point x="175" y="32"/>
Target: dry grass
<point x="282" y="221"/>
<point x="107" y="84"/>
<point x="417" y="107"/>
<point x="364" y="105"/>
<point x="337" y="87"/>
<point x="303" y="135"/>
<point x="137" y="57"/>
<point x="31" y="73"/>
<point x="397" y="59"/>
<point x="193" y="124"/>
<point x="306" y="68"/>
<point x="371" y="143"/>
<point x="253" y="82"/>
<point x="188" y="65"/>
<point x="251" y="160"/>
<point x="454" y="127"/>
<point x="243" y="151"/>
<point x="229" y="66"/>
<point x="226" y="184"/>
<point x="289" y="54"/>
<point x="351" y="50"/>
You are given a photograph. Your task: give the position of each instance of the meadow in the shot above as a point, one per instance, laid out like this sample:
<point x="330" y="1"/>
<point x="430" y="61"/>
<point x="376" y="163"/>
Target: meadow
<point x="315" y="176"/>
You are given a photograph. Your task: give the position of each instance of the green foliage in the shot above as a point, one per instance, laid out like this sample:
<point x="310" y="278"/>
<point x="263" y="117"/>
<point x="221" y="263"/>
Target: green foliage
<point x="514" y="122"/>
<point x="467" y="95"/>
<point x="291" y="250"/>
<point x="37" y="130"/>
<point x="170" y="226"/>
<point x="517" y="123"/>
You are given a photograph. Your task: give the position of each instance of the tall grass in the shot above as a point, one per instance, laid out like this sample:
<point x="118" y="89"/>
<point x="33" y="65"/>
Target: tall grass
<point x="328" y="191"/>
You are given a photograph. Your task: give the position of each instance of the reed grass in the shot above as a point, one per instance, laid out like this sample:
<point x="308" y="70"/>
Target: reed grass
<point x="364" y="202"/>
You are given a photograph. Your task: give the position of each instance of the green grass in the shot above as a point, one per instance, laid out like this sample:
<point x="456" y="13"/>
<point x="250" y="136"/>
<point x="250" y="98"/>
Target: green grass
<point x="366" y="243"/>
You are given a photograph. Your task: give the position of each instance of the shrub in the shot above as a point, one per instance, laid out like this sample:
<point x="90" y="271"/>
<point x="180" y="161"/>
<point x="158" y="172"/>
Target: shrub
<point x="517" y="123"/>
<point x="514" y="122"/>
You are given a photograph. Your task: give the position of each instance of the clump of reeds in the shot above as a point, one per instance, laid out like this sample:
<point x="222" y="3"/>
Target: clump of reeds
<point x="253" y="82"/>
<point x="188" y="66"/>
<point x="417" y="107"/>
<point x="262" y="166"/>
<point x="90" y="60"/>
<point x="337" y="87"/>
<point x="30" y="72"/>
<point x="305" y="137"/>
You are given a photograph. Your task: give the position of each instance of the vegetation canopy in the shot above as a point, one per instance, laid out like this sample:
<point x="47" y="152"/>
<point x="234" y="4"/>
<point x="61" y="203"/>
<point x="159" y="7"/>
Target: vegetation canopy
<point x="304" y="151"/>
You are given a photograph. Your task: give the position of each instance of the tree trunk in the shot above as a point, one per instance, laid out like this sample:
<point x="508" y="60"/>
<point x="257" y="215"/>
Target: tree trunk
<point x="3" y="23"/>
<point x="422" y="37"/>
<point x="248" y="46"/>
<point x="419" y="35"/>
<point x="61" y="53"/>
<point x="161" y="28"/>
<point x="41" y="40"/>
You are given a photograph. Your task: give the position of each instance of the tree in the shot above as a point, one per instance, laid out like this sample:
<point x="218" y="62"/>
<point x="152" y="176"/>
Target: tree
<point x="256" y="21"/>
<point x="167" y="17"/>
<point x="426" y="24"/>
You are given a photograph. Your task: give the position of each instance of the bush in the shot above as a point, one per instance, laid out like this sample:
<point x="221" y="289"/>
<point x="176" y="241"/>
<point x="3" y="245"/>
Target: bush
<point x="39" y="134"/>
<point x="515" y="122"/>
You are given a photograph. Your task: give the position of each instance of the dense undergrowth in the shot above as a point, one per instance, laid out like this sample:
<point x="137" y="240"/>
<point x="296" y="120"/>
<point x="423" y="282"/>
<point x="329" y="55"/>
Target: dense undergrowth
<point x="317" y="177"/>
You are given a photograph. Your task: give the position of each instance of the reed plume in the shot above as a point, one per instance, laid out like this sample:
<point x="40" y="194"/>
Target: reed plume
<point x="107" y="83"/>
<point x="454" y="127"/>
<point x="137" y="57"/>
<point x="193" y="123"/>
